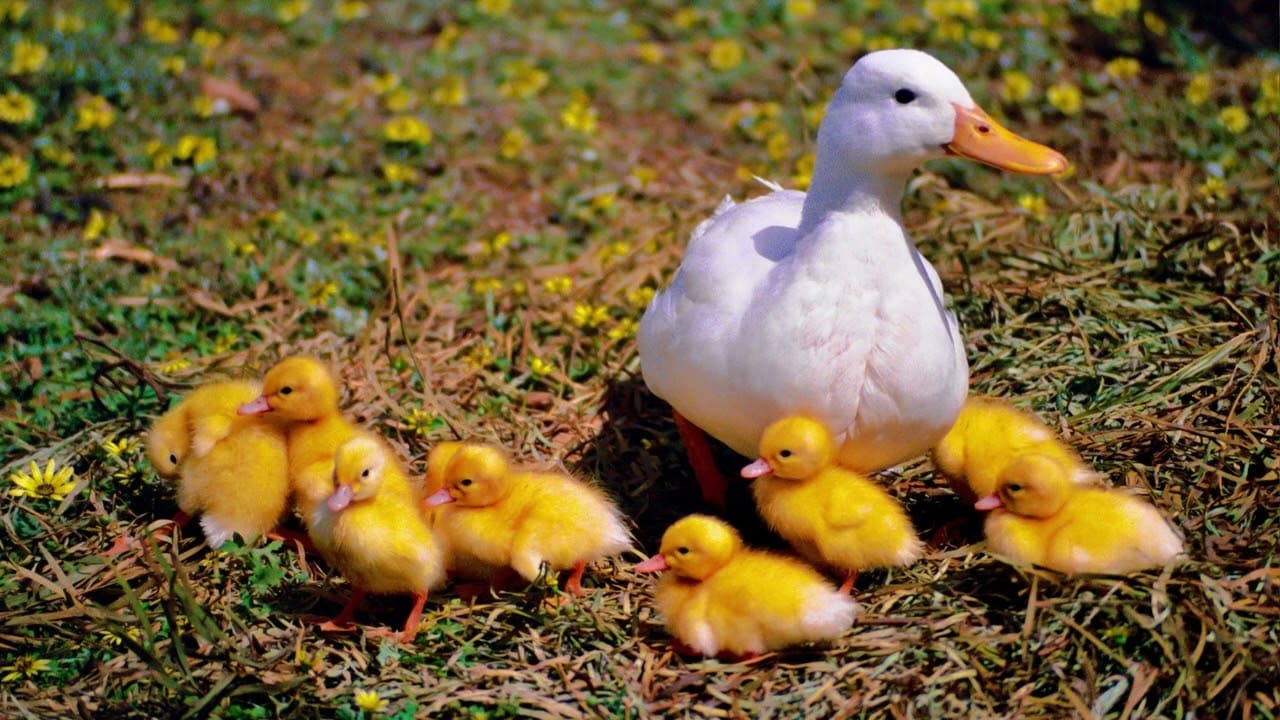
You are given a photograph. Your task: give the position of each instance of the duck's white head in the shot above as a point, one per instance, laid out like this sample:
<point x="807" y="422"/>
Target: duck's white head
<point x="897" y="109"/>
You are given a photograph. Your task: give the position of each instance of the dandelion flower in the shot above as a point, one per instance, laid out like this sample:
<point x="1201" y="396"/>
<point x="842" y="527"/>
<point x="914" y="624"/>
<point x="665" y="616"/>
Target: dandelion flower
<point x="369" y="701"/>
<point x="407" y="130"/>
<point x="207" y="39"/>
<point x="641" y="296"/>
<point x="349" y="10"/>
<point x="985" y="39"/>
<point x="588" y="316"/>
<point x="14" y="171"/>
<point x="579" y="115"/>
<point x="94" y="113"/>
<point x="198" y="149"/>
<point x="852" y="37"/>
<point x="494" y="8"/>
<point x="497" y="243"/>
<point x="25" y="666"/>
<point x="1198" y="89"/>
<point x="291" y="10"/>
<point x="16" y="108"/>
<point x="604" y="201"/>
<point x="28" y="57"/>
<point x="384" y="83"/>
<point x="1214" y="188"/>
<point x="484" y="286"/>
<point x="540" y="367"/>
<point x="1234" y="118"/>
<point x="1123" y="68"/>
<point x="420" y="422"/>
<point x="399" y="174"/>
<point x="949" y="30"/>
<point x="174" y="64"/>
<point x="800" y="9"/>
<point x="558" y="285"/>
<point x="399" y="100"/>
<point x="513" y="142"/>
<point x="452" y="91"/>
<point x="49" y="484"/>
<point x="522" y="80"/>
<point x="1034" y="205"/>
<point x="159" y="31"/>
<point x="321" y="293"/>
<point x="651" y="53"/>
<point x="685" y="17"/>
<point x="1065" y="97"/>
<point x="1017" y="87"/>
<point x="725" y="54"/>
<point x="625" y="328"/>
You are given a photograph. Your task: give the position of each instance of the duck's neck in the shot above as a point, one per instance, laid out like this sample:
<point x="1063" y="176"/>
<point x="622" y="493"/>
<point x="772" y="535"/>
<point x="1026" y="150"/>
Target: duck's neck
<point x="838" y="189"/>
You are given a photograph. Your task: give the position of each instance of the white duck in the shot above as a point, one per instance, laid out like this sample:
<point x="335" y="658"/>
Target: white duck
<point x="819" y="304"/>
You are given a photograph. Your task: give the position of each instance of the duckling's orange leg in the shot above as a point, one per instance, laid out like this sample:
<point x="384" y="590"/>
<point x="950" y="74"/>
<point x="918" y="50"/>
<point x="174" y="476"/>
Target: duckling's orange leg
<point x="346" y="619"/>
<point x="698" y="448"/>
<point x="574" y="584"/>
<point x="849" y="578"/>
<point x="128" y="542"/>
<point x="415" y="616"/>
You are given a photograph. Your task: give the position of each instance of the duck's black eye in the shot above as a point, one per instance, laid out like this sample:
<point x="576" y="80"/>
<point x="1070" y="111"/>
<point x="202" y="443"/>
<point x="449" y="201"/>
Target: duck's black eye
<point x="365" y="473"/>
<point x="1015" y="487"/>
<point x="785" y="454"/>
<point x="286" y="390"/>
<point x="682" y="550"/>
<point x="905" y="95"/>
<point x="466" y="482"/>
<point x="173" y="458"/>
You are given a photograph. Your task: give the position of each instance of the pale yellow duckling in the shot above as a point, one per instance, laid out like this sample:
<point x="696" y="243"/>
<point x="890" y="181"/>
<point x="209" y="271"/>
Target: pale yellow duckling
<point x="507" y="517"/>
<point x="720" y="597"/>
<point x="1041" y="515"/>
<point x="378" y="541"/>
<point x="302" y="396"/>
<point x="231" y="470"/>
<point x="830" y="515"/>
<point x="990" y="434"/>
<point x="462" y="563"/>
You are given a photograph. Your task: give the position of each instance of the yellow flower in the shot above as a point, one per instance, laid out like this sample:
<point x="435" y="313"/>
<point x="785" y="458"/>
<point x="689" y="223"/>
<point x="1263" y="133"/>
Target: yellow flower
<point x="588" y="316"/>
<point x="123" y="8"/>
<point x="348" y="10"/>
<point x="1035" y="205"/>
<point x="50" y="483"/>
<point x="604" y="201"/>
<point x="1115" y="8"/>
<point x="985" y="39"/>
<point x="16" y="108"/>
<point x="625" y="328"/>
<point x="949" y="30"/>
<point x="497" y="243"/>
<point x="1234" y="118"/>
<point x="778" y="145"/>
<point x="803" y="174"/>
<point x="345" y="236"/>
<point x="448" y="36"/>
<point x="912" y="24"/>
<point x="558" y="285"/>
<point x="484" y="286"/>
<point x="617" y="248"/>
<point x="161" y="156"/>
<point x="408" y="130"/>
<point x="1270" y="86"/>
<point x="119" y="448"/>
<point x="852" y="37"/>
<point x="66" y="23"/>
<point x="540" y="367"/>
<point x="207" y="40"/>
<point x="14" y="170"/>
<point x="225" y="341"/>
<point x="174" y="64"/>
<point x="12" y="10"/>
<point x="159" y="31"/>
<point x="321" y="293"/>
<point x="368" y="700"/>
<point x="579" y="115"/>
<point x="1065" y="97"/>
<point x="28" y="57"/>
<point x="291" y="10"/>
<point x="725" y="54"/>
<point x="206" y="107"/>
<point x="640" y="297"/>
<point x="685" y="17"/>
<point x="1199" y="88"/>
<point x="643" y="175"/>
<point x="1123" y="68"/>
<point x="1214" y="187"/>
<point x="513" y="142"/>
<point x="94" y="113"/>
<point x="94" y="226"/>
<point x="175" y="364"/>
<point x="800" y="9"/>
<point x="24" y="667"/>
<point x="451" y="91"/>
<point x="384" y="83"/>
<point x="522" y="80"/>
<point x="198" y="149"/>
<point x="1155" y="24"/>
<point x="1017" y="87"/>
<point x="651" y="52"/>
<point x="398" y="100"/>
<point x="399" y="174"/>
<point x="419" y="422"/>
<point x="494" y="8"/>
<point x="55" y="155"/>
<point x="881" y="42"/>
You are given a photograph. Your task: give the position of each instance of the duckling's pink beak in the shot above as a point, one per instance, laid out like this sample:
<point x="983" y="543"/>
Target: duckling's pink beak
<point x="340" y="498"/>
<point x="759" y="468"/>
<point x="438" y="498"/>
<point x="657" y="563"/>
<point x="980" y="138"/>
<point x="990" y="502"/>
<point x="255" y="407"/>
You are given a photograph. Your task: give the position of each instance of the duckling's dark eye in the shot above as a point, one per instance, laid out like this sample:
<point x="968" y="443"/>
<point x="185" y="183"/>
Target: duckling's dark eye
<point x="286" y="390"/>
<point x="365" y="473"/>
<point x="466" y="482"/>
<point x="682" y="550"/>
<point x="785" y="454"/>
<point x="173" y="458"/>
<point x="905" y="95"/>
<point x="1015" y="487"/>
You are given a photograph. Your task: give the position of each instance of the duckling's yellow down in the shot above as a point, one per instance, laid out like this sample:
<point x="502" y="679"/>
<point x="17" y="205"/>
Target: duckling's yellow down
<point x="718" y="597"/>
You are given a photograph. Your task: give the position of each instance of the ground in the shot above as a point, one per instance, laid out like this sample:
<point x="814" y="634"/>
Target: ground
<point x="465" y="207"/>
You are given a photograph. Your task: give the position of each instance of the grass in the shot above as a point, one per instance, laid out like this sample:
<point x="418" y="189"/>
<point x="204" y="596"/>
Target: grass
<point x="485" y="283"/>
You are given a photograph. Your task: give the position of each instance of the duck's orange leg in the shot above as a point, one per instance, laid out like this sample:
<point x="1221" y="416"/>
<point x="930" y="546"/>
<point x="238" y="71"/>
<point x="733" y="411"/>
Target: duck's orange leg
<point x="128" y="542"/>
<point x="574" y="584"/>
<point x="849" y="579"/>
<point x="698" y="447"/>
<point x="346" y="619"/>
<point x="415" y="616"/>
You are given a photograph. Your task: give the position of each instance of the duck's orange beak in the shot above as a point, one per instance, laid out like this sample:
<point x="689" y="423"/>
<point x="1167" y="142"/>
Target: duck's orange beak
<point x="340" y="498"/>
<point x="980" y="138"/>
<point x="990" y="502"/>
<point x="255" y="407"/>
<point x="657" y="563"/>
<point x="438" y="498"/>
<point x="759" y="468"/>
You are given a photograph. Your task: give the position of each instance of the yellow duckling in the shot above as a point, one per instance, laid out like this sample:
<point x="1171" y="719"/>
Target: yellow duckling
<point x="1041" y="515"/>
<point x="830" y="515"/>
<point x="507" y="517"/>
<point x="988" y="435"/>
<point x="462" y="563"/>
<point x="302" y="394"/>
<point x="379" y="542"/>
<point x="232" y="470"/>
<point x="720" y="597"/>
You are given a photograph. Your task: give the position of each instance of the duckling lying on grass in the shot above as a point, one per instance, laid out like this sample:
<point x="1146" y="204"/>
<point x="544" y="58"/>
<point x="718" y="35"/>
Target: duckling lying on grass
<point x="1039" y="514"/>
<point x="830" y="515"/>
<point x="507" y="517"/>
<point x="720" y="597"/>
